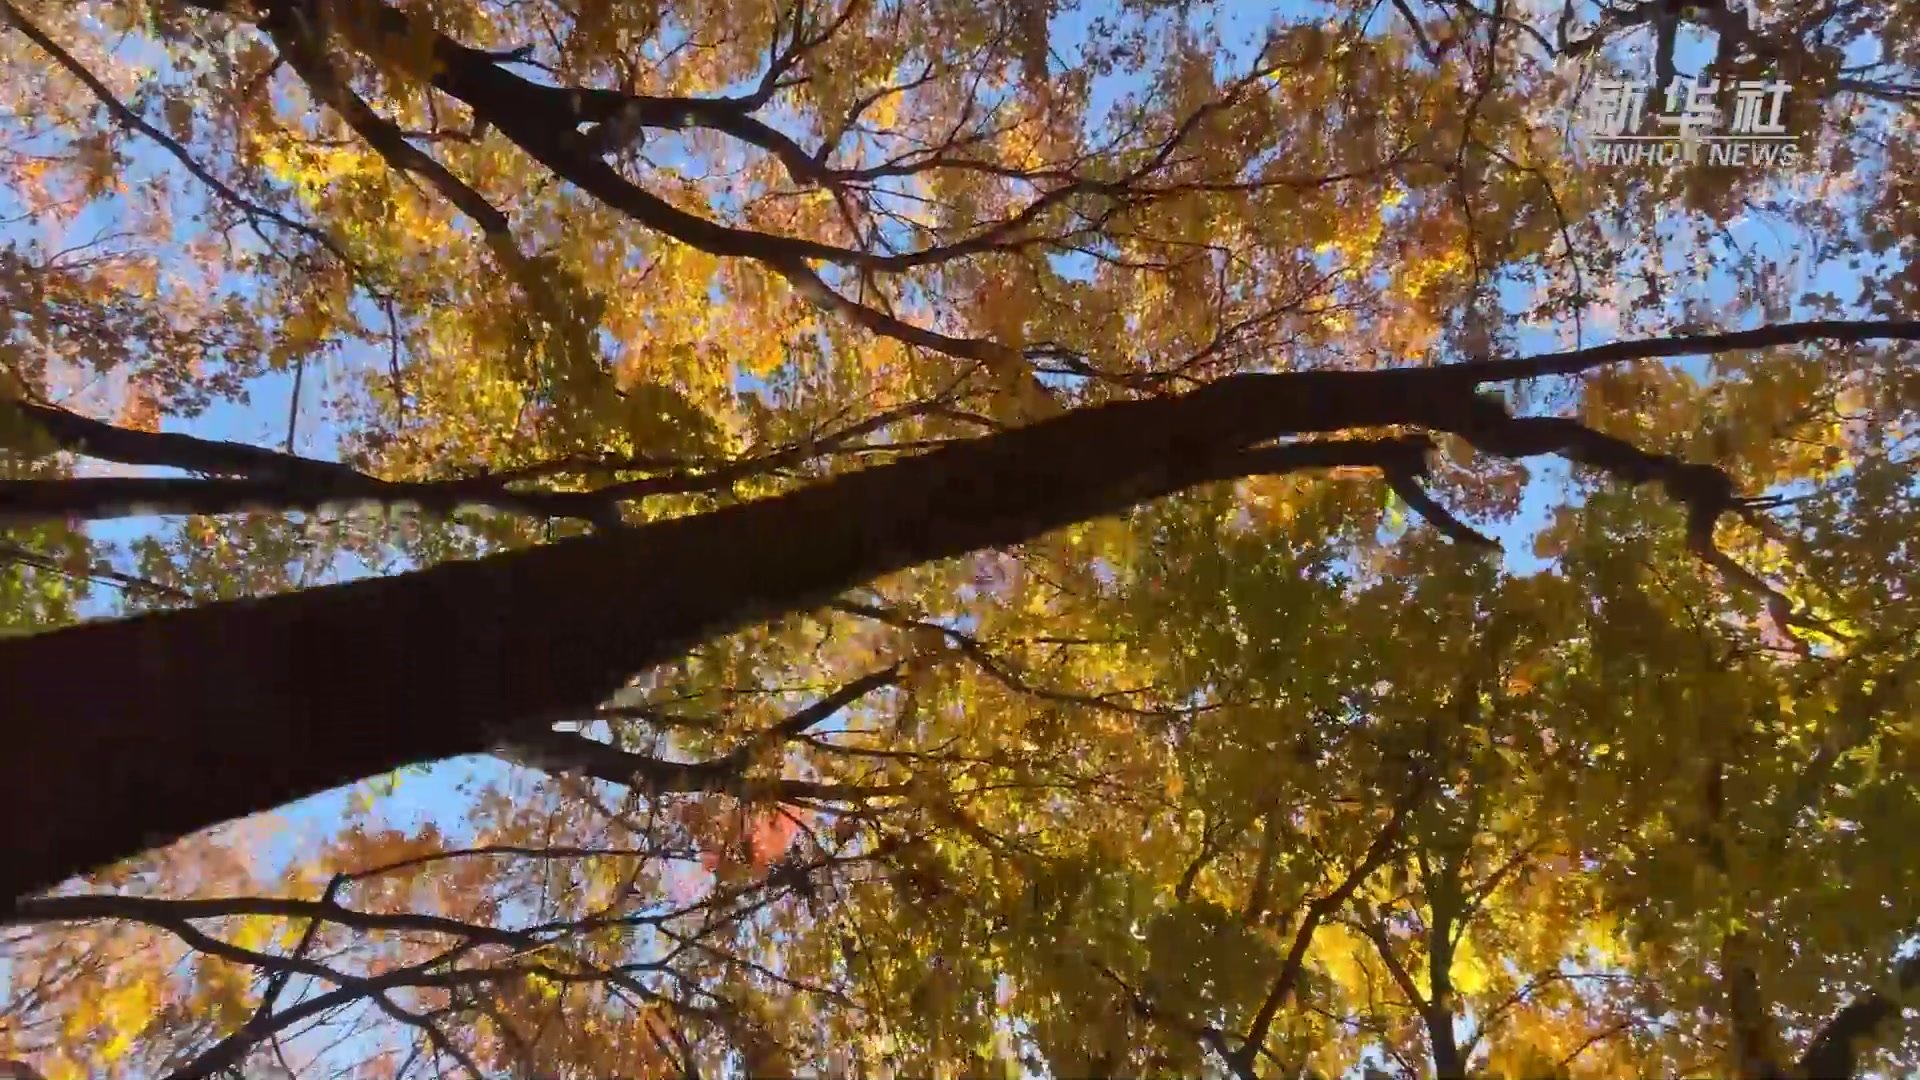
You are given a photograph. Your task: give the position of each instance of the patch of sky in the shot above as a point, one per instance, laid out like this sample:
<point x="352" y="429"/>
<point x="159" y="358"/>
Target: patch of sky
<point x="1076" y="266"/>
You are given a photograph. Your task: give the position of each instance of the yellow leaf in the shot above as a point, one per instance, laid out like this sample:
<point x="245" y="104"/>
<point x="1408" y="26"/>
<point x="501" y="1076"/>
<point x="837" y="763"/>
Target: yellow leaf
<point x="255" y="932"/>
<point x="543" y="986"/>
<point x="128" y="1009"/>
<point x="1469" y="973"/>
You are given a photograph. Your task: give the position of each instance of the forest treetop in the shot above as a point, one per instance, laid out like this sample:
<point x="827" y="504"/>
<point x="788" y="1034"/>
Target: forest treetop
<point x="957" y="536"/>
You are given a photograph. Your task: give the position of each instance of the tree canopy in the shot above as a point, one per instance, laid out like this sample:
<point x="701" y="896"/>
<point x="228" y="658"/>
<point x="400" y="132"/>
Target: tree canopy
<point x="1016" y="538"/>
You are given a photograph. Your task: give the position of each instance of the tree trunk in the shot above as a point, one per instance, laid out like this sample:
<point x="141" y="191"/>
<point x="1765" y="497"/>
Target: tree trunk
<point x="1447" y="1061"/>
<point x="129" y="734"/>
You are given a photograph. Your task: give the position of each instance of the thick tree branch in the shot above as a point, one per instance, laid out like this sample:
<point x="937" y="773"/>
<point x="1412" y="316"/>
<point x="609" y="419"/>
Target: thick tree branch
<point x="296" y="29"/>
<point x="1407" y="486"/>
<point x="1746" y="1012"/>
<point x="1376" y="932"/>
<point x="275" y="481"/>
<point x="545" y="120"/>
<point x="98" y="439"/>
<point x="286" y="696"/>
<point x="1443" y="898"/>
<point x="1706" y="491"/>
<point x="821" y="711"/>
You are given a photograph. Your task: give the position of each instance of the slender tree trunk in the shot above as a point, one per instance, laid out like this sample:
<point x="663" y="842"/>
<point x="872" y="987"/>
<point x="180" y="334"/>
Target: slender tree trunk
<point x="1448" y="1063"/>
<point x="1746" y="1013"/>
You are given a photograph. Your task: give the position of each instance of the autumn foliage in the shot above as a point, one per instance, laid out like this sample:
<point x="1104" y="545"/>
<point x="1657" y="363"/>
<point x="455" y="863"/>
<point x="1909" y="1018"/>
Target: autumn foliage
<point x="669" y="538"/>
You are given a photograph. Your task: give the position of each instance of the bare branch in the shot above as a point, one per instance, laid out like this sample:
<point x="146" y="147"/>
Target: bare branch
<point x="125" y="115"/>
<point x="161" y="912"/>
<point x="1481" y="372"/>
<point x="1385" y="843"/>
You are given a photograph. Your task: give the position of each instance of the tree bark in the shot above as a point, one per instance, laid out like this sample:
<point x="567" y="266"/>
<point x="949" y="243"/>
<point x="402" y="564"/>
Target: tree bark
<point x="128" y="734"/>
<point x="1448" y="1063"/>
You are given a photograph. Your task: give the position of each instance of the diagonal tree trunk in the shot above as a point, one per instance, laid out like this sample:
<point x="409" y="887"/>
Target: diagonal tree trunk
<point x="128" y="734"/>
